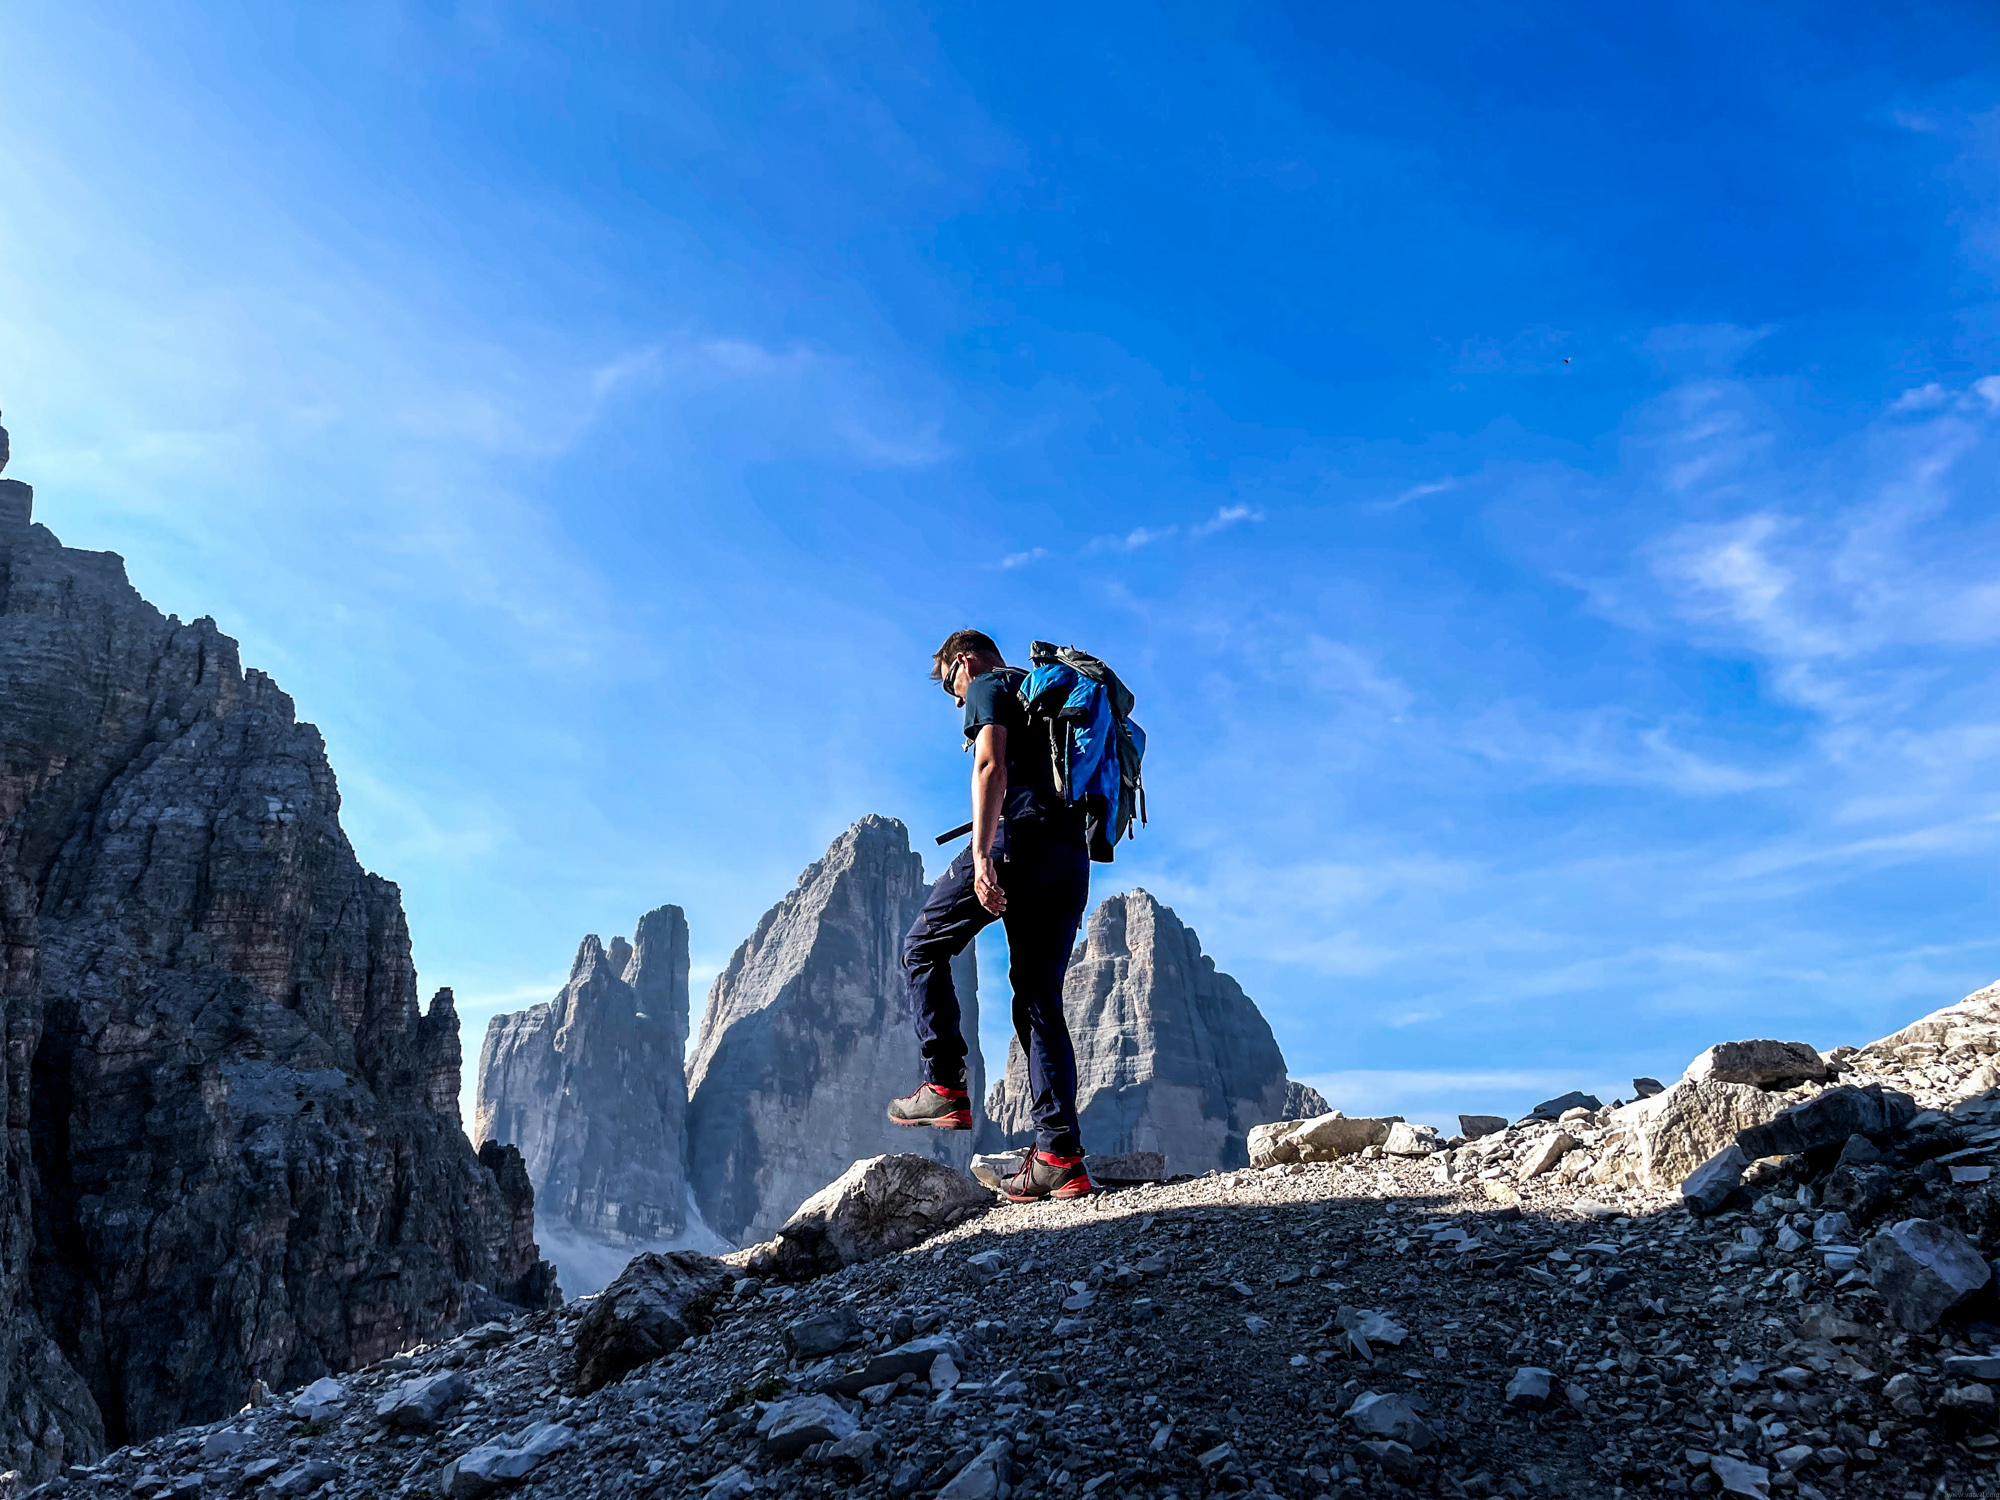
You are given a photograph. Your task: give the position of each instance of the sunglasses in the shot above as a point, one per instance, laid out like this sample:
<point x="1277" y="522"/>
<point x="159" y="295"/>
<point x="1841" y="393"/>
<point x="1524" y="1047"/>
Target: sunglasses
<point x="951" y="676"/>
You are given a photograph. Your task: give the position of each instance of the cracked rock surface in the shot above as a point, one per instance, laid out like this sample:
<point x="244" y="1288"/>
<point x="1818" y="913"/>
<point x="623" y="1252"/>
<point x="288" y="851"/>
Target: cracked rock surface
<point x="232" y="1151"/>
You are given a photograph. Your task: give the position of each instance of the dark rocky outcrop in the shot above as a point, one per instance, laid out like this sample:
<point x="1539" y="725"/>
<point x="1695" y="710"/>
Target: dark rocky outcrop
<point x="807" y="1036"/>
<point x="233" y="1150"/>
<point x="1171" y="1055"/>
<point x="590" y="1087"/>
<point x="1303" y="1102"/>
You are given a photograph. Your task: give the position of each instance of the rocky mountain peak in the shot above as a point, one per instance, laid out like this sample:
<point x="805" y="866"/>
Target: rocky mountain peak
<point x="220" y="1070"/>
<point x="807" y="1035"/>
<point x="1171" y="1055"/>
<point x="589" y="1087"/>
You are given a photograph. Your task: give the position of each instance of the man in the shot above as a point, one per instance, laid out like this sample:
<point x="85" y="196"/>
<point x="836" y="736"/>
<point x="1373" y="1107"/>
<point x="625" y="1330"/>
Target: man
<point x="1029" y="867"/>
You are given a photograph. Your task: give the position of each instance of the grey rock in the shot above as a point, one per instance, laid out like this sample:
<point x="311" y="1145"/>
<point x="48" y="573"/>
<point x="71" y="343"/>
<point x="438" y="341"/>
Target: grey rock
<point x="788" y="1428"/>
<point x="491" y="1465"/>
<point x="1322" y="1138"/>
<point x="1712" y="1184"/>
<point x="732" y="1483"/>
<point x="876" y="1207"/>
<point x="806" y="1036"/>
<point x="302" y="1479"/>
<point x="1553" y="1109"/>
<point x="319" y="1400"/>
<point x="1922" y="1269"/>
<point x="656" y="1302"/>
<point x="1303" y="1101"/>
<point x="1831" y="1229"/>
<point x="1972" y="1366"/>
<point x="421" y="1404"/>
<point x="1529" y="1389"/>
<point x="226" y="1443"/>
<point x="1739" y="1478"/>
<point x="1405" y="1139"/>
<point x="822" y="1333"/>
<point x="1645" y="1088"/>
<point x="1127" y="1166"/>
<point x="215" y="1038"/>
<point x="914" y="1357"/>
<point x="1392" y="1417"/>
<point x="591" y="1088"/>
<point x="981" y="1479"/>
<point x="1472" y="1127"/>
<point x="1763" y="1064"/>
<point x="1830" y="1116"/>
<point x="1171" y="1055"/>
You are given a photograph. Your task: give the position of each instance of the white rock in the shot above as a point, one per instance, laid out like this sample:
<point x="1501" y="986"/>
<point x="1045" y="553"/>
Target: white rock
<point x="1405" y="1139"/>
<point x="1544" y="1155"/>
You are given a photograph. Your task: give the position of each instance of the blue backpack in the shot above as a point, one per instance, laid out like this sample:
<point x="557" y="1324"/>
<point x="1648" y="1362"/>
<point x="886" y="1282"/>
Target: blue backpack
<point x="1094" y="747"/>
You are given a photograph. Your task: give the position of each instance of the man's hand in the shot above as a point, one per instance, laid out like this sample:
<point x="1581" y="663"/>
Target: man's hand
<point x="986" y="884"/>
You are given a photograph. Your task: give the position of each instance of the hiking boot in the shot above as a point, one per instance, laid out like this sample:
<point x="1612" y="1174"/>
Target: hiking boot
<point x="934" y="1105"/>
<point x="1044" y="1176"/>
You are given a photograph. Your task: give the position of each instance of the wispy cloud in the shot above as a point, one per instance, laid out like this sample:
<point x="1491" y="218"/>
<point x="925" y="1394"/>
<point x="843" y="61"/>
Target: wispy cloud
<point x="1415" y="492"/>
<point x="1223" y="519"/>
<point x="1022" y="559"/>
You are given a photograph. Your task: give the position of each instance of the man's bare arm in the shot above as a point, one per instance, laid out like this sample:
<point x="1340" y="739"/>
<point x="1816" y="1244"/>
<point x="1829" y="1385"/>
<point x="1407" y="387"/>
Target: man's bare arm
<point x="989" y="793"/>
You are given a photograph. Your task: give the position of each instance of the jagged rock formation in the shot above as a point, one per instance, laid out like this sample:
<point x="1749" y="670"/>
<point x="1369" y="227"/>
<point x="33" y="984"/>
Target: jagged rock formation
<point x="590" y="1087"/>
<point x="1171" y="1055"/>
<point x="1303" y="1102"/>
<point x="233" y="1150"/>
<point x="807" y="1036"/>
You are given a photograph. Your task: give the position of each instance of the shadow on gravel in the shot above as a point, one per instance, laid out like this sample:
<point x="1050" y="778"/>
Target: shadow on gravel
<point x="1300" y="1335"/>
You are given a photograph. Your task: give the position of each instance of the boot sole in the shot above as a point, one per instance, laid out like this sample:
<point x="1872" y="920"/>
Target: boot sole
<point x="961" y="1121"/>
<point x="1068" y="1190"/>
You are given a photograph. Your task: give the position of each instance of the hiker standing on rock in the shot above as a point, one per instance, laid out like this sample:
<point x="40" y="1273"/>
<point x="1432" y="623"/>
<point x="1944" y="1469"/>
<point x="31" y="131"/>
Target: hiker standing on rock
<point x="1028" y="866"/>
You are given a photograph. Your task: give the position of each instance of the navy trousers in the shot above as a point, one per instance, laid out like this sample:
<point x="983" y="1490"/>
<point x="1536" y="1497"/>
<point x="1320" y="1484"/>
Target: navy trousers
<point x="1047" y="881"/>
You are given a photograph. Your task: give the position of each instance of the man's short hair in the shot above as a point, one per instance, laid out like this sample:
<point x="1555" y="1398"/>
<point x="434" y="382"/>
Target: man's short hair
<point x="960" y="643"/>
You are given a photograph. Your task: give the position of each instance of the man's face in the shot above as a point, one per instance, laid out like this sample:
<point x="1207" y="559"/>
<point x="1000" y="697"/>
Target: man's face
<point x="954" y="680"/>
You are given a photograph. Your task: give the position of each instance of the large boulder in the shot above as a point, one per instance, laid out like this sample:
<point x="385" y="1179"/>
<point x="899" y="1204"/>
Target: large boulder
<point x="1764" y="1064"/>
<point x="876" y="1207"/>
<point x="1171" y="1055"/>
<point x="1829" y="1118"/>
<point x="1672" y="1133"/>
<point x="1922" y="1269"/>
<point x="1322" y="1138"/>
<point x="657" y="1302"/>
<point x="807" y="1036"/>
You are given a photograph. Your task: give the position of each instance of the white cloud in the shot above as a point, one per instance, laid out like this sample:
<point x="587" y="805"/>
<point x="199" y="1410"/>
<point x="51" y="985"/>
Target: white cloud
<point x="1227" y="516"/>
<point x="1415" y="492"/>
<point x="1022" y="559"/>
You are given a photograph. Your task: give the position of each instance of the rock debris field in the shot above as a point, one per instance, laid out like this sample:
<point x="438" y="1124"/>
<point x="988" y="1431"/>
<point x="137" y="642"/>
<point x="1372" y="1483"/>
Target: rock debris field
<point x="1477" y="1317"/>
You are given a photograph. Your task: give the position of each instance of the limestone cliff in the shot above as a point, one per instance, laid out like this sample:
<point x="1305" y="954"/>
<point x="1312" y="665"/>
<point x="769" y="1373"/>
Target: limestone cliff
<point x="232" y="1148"/>
<point x="590" y="1086"/>
<point x="807" y="1036"/>
<point x="1171" y="1055"/>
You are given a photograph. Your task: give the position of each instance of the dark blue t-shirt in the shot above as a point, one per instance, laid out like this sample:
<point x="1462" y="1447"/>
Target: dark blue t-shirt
<point x="995" y="698"/>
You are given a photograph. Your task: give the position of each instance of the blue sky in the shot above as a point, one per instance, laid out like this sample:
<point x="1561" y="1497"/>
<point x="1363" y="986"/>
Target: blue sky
<point x="1537" y="468"/>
